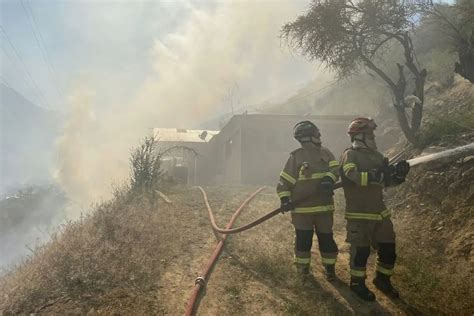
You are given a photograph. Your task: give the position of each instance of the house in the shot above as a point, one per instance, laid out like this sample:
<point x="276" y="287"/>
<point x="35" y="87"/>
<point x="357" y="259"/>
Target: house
<point x="249" y="149"/>
<point x="185" y="152"/>
<point x="253" y="148"/>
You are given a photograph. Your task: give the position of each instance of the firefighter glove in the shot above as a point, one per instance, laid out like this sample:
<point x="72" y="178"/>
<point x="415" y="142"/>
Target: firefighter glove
<point x="286" y="204"/>
<point x="327" y="186"/>
<point x="375" y="176"/>
<point x="402" y="168"/>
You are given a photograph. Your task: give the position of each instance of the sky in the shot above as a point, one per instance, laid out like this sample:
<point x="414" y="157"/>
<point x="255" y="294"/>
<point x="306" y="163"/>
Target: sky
<point x="110" y="40"/>
<point x="109" y="43"/>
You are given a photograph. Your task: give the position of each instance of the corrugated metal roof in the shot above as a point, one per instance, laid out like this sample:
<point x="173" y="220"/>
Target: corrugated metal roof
<point x="183" y="135"/>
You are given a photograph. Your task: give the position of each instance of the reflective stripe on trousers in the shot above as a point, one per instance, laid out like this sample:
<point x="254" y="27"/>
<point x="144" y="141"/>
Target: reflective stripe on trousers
<point x="314" y="209"/>
<point x="368" y="216"/>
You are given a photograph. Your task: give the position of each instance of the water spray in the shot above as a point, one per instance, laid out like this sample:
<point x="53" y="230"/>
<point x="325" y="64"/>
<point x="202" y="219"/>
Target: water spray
<point x="450" y="154"/>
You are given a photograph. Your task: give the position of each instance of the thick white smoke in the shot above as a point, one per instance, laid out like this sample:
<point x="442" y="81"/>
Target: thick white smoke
<point x="227" y="45"/>
<point x="74" y="150"/>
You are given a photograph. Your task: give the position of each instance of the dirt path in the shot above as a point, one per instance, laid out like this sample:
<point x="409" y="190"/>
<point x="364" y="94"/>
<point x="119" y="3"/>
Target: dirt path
<point x="255" y="273"/>
<point x="190" y="242"/>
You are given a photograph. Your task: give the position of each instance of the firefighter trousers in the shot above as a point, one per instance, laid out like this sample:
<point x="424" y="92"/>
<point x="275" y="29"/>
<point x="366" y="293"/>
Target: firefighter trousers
<point x="305" y="226"/>
<point x="362" y="235"/>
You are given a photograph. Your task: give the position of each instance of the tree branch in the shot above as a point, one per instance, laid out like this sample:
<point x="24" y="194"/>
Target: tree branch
<point x="441" y="16"/>
<point x="374" y="50"/>
<point x="378" y="71"/>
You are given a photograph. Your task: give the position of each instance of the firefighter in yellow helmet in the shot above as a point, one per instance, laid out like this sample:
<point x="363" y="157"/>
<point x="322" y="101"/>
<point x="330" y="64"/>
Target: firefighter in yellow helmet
<point x="364" y="173"/>
<point x="309" y="175"/>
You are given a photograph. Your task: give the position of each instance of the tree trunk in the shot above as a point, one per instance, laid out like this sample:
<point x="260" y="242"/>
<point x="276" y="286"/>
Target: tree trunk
<point x="417" y="113"/>
<point x="466" y="59"/>
<point x="400" y="106"/>
<point x="406" y="129"/>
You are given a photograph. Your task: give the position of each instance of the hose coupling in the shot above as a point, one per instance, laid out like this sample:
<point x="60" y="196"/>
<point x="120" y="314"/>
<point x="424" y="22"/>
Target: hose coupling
<point x="200" y="280"/>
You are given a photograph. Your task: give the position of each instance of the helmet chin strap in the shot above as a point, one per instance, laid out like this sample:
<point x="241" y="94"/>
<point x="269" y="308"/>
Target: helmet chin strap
<point x="357" y="141"/>
<point x="311" y="141"/>
<point x="354" y="140"/>
<point x="316" y="141"/>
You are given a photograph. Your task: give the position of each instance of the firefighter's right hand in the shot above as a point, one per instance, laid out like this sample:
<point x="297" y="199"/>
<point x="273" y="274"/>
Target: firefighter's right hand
<point x="402" y="168"/>
<point x="327" y="186"/>
<point x="286" y="204"/>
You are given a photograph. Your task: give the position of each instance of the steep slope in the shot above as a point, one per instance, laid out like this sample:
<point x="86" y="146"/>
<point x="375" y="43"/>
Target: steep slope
<point x="140" y="256"/>
<point x="27" y="135"/>
<point x="433" y="210"/>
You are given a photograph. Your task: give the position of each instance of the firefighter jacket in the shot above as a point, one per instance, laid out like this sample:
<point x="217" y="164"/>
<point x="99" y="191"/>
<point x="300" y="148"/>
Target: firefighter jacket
<point x="364" y="199"/>
<point x="301" y="177"/>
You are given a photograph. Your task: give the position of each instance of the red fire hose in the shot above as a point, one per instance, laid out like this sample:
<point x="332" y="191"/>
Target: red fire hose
<point x="256" y="222"/>
<point x="201" y="280"/>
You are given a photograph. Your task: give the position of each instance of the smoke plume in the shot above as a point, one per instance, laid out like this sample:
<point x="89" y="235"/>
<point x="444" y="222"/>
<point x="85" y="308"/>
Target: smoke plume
<point x="231" y="44"/>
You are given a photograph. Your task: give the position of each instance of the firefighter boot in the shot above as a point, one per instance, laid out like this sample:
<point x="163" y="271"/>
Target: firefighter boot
<point x="382" y="282"/>
<point x="302" y="270"/>
<point x="330" y="272"/>
<point x="303" y="274"/>
<point x="358" y="287"/>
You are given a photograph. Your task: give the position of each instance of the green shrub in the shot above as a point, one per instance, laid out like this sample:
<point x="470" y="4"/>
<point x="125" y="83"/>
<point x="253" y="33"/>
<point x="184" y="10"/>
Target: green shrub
<point x="145" y="165"/>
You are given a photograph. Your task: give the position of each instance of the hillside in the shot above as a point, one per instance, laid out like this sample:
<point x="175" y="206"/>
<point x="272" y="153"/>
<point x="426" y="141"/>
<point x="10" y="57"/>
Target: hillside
<point x="27" y="218"/>
<point x="135" y="257"/>
<point x="27" y="136"/>
<point x="116" y="261"/>
<point x="434" y="210"/>
<point x="136" y="254"/>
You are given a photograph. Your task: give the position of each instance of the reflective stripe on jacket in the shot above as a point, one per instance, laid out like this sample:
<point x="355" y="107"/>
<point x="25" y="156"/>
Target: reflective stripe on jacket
<point x="364" y="200"/>
<point x="301" y="176"/>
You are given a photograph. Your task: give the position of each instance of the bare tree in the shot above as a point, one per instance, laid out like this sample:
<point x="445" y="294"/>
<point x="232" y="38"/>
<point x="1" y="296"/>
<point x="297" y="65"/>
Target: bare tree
<point x="457" y="21"/>
<point x="348" y="36"/>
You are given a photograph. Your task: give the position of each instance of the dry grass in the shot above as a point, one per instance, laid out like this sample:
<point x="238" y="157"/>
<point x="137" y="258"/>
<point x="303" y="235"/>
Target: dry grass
<point x="130" y="257"/>
<point x="91" y="262"/>
<point x="433" y="286"/>
<point x="435" y="233"/>
<point x="106" y="259"/>
<point x="266" y="254"/>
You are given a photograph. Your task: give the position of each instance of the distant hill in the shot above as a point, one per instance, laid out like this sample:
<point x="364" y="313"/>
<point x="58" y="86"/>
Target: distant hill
<point x="27" y="135"/>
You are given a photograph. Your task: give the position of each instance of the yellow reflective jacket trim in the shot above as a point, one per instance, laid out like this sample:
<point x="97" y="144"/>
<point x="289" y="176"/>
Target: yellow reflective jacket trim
<point x="314" y="209"/>
<point x="368" y="216"/>
<point x="358" y="273"/>
<point x="332" y="176"/>
<point x="287" y="177"/>
<point x="384" y="270"/>
<point x="302" y="260"/>
<point x="333" y="163"/>
<point x="284" y="194"/>
<point x="313" y="176"/>
<point x="328" y="260"/>
<point x="349" y="166"/>
<point x="364" y="178"/>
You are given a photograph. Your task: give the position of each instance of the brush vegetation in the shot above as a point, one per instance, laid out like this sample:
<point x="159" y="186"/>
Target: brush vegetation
<point x="108" y="256"/>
